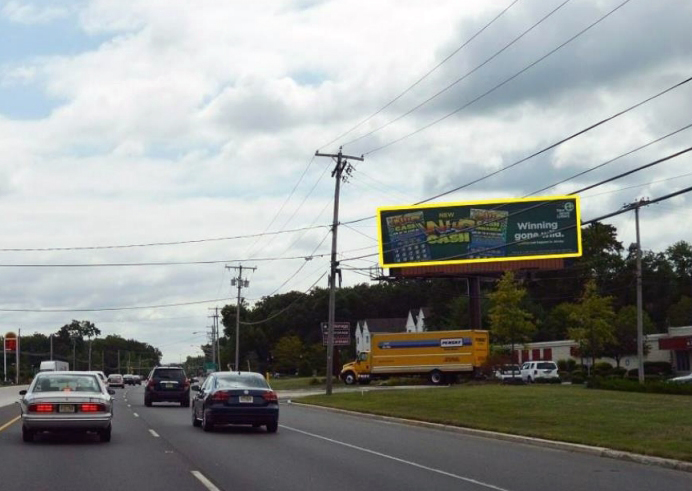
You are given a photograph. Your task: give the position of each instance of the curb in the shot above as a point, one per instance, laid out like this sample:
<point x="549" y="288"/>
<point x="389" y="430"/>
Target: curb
<point x="677" y="465"/>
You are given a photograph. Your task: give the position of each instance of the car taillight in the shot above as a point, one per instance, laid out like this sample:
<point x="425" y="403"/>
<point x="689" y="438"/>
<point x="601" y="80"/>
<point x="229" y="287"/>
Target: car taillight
<point x="151" y="383"/>
<point x="91" y="408"/>
<point x="186" y="384"/>
<point x="220" y="396"/>
<point x="41" y="408"/>
<point x="270" y="396"/>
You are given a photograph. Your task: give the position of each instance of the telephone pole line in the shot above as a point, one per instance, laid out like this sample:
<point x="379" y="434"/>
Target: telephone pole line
<point x="215" y="336"/>
<point x="240" y="283"/>
<point x="342" y="165"/>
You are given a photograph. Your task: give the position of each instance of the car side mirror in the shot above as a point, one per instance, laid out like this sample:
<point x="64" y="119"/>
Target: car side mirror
<point x="111" y="392"/>
<point x="195" y="387"/>
<point x="22" y="392"/>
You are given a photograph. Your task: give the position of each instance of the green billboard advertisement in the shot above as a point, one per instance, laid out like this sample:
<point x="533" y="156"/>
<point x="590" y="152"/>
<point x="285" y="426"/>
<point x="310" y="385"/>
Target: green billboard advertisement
<point x="479" y="231"/>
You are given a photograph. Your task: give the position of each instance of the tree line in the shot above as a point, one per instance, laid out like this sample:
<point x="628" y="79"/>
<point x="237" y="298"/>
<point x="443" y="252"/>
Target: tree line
<point x="591" y="300"/>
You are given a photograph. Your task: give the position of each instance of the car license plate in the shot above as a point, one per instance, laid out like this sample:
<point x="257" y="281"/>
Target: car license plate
<point x="246" y="399"/>
<point x="66" y="408"/>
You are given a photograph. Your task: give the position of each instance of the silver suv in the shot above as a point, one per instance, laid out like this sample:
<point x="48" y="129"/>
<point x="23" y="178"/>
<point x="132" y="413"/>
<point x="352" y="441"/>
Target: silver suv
<point x="532" y="370"/>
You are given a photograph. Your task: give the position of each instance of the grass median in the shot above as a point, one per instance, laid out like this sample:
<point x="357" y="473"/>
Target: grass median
<point x="649" y="424"/>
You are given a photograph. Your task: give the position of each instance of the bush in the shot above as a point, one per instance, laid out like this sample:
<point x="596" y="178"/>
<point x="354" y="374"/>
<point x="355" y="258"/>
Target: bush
<point x="564" y="375"/>
<point x="577" y="379"/>
<point x="547" y="380"/>
<point x="658" y="368"/>
<point x="649" y="386"/>
<point x="602" y="368"/>
<point x="568" y="365"/>
<point x="618" y="372"/>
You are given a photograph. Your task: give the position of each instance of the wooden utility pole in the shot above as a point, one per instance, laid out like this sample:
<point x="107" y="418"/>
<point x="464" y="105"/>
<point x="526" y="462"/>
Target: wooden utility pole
<point x="342" y="166"/>
<point x="240" y="283"/>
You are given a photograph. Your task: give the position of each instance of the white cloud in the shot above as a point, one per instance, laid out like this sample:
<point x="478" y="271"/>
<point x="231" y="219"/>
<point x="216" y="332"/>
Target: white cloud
<point x="31" y="14"/>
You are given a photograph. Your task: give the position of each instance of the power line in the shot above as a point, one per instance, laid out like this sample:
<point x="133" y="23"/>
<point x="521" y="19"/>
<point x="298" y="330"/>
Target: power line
<point x="154" y="244"/>
<point x="463" y="77"/>
<point x="501" y="84"/>
<point x="110" y="309"/>
<point x="426" y="75"/>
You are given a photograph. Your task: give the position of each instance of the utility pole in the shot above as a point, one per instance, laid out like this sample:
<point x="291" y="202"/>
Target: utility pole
<point x="51" y="347"/>
<point x="89" y="353"/>
<point x="341" y="166"/>
<point x="240" y="283"/>
<point x="216" y="351"/>
<point x="640" y="315"/>
<point x="119" y="362"/>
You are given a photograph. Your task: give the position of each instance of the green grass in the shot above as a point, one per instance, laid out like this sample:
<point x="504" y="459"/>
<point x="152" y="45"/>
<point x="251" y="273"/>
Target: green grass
<point x="650" y="424"/>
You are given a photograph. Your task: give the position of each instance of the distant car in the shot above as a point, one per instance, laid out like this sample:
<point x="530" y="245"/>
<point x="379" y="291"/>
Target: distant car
<point x="129" y="379"/>
<point x="682" y="379"/>
<point x="136" y="380"/>
<point x="235" y="398"/>
<point x="532" y="370"/>
<point x="508" y="373"/>
<point x="66" y="401"/>
<point x="116" y="380"/>
<point x="167" y="384"/>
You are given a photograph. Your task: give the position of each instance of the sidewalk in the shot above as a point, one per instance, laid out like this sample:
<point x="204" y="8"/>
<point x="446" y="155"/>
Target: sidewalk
<point x="10" y="394"/>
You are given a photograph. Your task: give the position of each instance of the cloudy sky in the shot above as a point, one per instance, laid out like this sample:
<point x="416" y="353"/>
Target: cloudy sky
<point x="131" y="123"/>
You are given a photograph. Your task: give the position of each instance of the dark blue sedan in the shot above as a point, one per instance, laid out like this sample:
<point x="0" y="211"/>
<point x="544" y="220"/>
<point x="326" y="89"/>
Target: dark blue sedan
<point x="235" y="398"/>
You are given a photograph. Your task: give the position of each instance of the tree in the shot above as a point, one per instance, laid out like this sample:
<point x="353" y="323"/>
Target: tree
<point x="680" y="313"/>
<point x="594" y="319"/>
<point x="509" y="323"/>
<point x="557" y="323"/>
<point x="625" y="333"/>
<point x="287" y="354"/>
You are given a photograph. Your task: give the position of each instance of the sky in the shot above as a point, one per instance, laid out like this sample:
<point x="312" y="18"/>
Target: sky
<point x="184" y="132"/>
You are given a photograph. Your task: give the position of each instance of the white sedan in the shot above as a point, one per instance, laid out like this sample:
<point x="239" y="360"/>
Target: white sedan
<point x="66" y="401"/>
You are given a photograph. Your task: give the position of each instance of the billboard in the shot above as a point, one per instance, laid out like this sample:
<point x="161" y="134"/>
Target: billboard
<point x="479" y="231"/>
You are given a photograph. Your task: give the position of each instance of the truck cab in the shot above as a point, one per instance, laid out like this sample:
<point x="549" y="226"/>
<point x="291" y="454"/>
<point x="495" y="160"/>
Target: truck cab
<point x="358" y="370"/>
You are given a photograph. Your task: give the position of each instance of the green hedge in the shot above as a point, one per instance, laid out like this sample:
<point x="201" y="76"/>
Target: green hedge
<point x="651" y="386"/>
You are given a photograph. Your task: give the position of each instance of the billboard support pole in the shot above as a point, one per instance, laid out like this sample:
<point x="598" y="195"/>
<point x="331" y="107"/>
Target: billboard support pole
<point x="4" y="357"/>
<point x="475" y="302"/>
<point x="341" y="166"/>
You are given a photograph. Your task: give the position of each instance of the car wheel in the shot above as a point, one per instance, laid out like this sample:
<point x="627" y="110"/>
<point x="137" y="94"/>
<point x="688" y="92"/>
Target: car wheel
<point x="436" y="377"/>
<point x="195" y="422"/>
<point x="27" y="434"/>
<point x="349" y="378"/>
<point x="528" y="380"/>
<point x="185" y="402"/>
<point x="273" y="426"/>
<point x="105" y="435"/>
<point x="147" y="402"/>
<point x="206" y="424"/>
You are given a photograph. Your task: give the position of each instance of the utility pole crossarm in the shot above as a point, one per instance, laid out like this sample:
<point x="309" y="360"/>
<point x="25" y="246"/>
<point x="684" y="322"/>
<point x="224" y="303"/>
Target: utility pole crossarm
<point x="240" y="283"/>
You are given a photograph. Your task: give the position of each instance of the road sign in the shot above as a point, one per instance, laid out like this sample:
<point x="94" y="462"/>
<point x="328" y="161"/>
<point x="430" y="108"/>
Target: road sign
<point x="342" y="333"/>
<point x="10" y="341"/>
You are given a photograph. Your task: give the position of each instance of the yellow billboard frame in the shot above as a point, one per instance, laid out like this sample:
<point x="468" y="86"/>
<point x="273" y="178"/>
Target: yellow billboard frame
<point x="480" y="202"/>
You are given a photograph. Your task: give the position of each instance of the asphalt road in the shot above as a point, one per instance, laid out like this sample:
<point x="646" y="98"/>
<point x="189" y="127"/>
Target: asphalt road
<point x="157" y="448"/>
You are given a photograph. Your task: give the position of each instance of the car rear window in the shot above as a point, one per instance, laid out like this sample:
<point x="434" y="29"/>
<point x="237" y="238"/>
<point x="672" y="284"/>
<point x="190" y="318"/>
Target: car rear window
<point x="546" y="366"/>
<point x="169" y="374"/>
<point x="66" y="383"/>
<point x="235" y="381"/>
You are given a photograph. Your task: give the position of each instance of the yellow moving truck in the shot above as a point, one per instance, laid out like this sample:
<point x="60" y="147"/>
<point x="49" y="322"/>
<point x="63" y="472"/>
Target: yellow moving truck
<point x="435" y="354"/>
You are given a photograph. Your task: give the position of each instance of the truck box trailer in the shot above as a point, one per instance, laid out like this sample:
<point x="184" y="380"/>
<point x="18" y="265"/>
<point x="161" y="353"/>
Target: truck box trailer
<point x="435" y="354"/>
<point x="54" y="366"/>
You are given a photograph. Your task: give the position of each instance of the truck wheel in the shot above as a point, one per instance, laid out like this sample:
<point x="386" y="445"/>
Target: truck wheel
<point x="436" y="377"/>
<point x="349" y="378"/>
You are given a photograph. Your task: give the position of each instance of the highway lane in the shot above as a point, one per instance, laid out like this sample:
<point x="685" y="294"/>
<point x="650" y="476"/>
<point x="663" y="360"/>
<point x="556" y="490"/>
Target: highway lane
<point x="133" y="460"/>
<point x="317" y="449"/>
<point x="158" y="448"/>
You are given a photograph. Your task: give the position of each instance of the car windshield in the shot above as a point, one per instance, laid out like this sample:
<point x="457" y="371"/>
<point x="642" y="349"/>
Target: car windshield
<point x="66" y="383"/>
<point x="114" y="377"/>
<point x="546" y="366"/>
<point x="240" y="381"/>
<point x="169" y="374"/>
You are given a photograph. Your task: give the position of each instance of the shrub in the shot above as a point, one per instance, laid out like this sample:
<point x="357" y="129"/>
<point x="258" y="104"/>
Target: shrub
<point x="577" y="379"/>
<point x="568" y="365"/>
<point x="547" y="380"/>
<point x="618" y="372"/>
<point x="650" y="386"/>
<point x="565" y="375"/>
<point x="658" y="368"/>
<point x="602" y="368"/>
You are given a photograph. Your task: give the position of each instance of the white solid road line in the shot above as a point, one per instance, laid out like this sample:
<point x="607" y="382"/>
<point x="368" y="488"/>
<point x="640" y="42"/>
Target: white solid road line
<point x="207" y="483"/>
<point x="154" y="434"/>
<point x="136" y="415"/>
<point x="396" y="459"/>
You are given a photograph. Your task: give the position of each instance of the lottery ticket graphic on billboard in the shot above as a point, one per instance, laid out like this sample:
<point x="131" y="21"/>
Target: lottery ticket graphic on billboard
<point x="484" y="231"/>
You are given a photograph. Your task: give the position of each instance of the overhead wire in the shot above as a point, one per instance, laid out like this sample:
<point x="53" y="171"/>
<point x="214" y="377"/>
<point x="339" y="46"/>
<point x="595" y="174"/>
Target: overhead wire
<point x="462" y="78"/>
<point x="501" y="84"/>
<point x="426" y="75"/>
